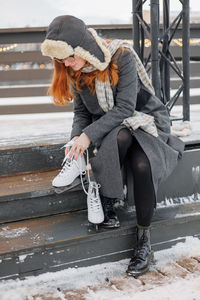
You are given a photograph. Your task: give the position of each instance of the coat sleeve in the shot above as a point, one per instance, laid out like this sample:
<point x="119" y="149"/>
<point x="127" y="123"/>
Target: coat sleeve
<point x="125" y="100"/>
<point x="82" y="117"/>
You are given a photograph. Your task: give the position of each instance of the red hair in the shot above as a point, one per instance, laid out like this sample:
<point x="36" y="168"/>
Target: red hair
<point x="65" y="80"/>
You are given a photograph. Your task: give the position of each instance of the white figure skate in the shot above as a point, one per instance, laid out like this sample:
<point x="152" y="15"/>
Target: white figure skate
<point x="70" y="171"/>
<point x="95" y="210"/>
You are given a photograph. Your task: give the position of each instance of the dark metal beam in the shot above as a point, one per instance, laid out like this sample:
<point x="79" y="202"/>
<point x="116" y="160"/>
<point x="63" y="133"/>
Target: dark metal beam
<point x="136" y="28"/>
<point x="186" y="61"/>
<point x="165" y="70"/>
<point x="122" y="31"/>
<point x="162" y="60"/>
<point x="154" y="47"/>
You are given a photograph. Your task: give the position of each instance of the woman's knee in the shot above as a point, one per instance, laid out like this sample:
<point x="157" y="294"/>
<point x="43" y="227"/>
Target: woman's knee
<point x="124" y="137"/>
<point x="140" y="164"/>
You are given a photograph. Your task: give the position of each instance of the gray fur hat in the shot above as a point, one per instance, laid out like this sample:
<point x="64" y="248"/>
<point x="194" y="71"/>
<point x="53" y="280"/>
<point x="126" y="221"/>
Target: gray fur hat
<point x="68" y="35"/>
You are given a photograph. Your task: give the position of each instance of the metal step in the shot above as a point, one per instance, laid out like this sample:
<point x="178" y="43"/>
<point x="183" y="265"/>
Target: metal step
<point x="55" y="243"/>
<point x="31" y="195"/>
<point x="30" y="158"/>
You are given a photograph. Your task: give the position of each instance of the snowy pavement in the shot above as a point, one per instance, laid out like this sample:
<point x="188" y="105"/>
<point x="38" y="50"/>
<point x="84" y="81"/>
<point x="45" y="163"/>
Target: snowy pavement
<point x="175" y="274"/>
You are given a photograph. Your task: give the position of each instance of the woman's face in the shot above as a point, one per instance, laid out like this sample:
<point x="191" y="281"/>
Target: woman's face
<point x="75" y="62"/>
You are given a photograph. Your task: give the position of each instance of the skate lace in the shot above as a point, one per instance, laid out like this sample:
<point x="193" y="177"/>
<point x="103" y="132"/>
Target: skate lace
<point x="88" y="174"/>
<point x="67" y="164"/>
<point x="94" y="202"/>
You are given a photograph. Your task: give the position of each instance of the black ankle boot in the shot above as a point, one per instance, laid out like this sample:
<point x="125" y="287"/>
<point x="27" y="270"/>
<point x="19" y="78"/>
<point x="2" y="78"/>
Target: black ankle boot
<point x="142" y="256"/>
<point x="110" y="218"/>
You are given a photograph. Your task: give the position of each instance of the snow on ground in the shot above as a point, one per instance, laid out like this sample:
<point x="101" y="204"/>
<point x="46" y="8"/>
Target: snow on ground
<point x="108" y="280"/>
<point x="186" y="289"/>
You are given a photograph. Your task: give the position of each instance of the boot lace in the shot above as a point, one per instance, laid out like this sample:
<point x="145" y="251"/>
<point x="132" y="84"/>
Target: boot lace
<point x="141" y="248"/>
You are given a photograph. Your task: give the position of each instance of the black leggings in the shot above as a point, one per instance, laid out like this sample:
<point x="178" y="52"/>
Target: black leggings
<point x="144" y="193"/>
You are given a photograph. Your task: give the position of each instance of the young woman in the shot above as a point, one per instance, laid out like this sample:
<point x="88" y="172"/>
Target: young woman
<point x="116" y="111"/>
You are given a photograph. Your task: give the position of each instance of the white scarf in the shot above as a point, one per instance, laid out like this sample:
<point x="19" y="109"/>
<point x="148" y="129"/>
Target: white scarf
<point x="105" y="94"/>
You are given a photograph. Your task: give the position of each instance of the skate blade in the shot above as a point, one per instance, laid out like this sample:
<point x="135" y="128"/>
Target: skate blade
<point x="74" y="184"/>
<point x="110" y="226"/>
<point x="94" y="227"/>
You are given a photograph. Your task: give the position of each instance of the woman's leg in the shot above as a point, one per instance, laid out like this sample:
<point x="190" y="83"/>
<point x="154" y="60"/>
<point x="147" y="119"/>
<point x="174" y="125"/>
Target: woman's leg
<point x="144" y="202"/>
<point x="124" y="141"/>
<point x="144" y="193"/>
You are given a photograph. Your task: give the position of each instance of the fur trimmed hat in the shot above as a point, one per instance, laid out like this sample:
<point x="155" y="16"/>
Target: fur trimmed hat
<point x="68" y="35"/>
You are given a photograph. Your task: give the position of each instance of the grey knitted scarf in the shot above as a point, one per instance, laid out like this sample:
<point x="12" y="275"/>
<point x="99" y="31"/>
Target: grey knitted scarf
<point x="105" y="95"/>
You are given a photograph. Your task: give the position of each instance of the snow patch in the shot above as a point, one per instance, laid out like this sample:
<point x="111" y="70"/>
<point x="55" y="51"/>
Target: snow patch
<point x="189" y="248"/>
<point x="179" y="201"/>
<point x="24" y="256"/>
<point x="186" y="215"/>
<point x="6" y="232"/>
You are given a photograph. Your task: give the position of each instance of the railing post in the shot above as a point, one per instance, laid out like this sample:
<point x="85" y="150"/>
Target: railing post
<point x="186" y="60"/>
<point x="154" y="47"/>
<point x="166" y="70"/>
<point x="137" y="29"/>
<point x="136" y="33"/>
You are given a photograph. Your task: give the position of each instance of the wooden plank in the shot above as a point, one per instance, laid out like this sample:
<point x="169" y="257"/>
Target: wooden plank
<point x="28" y="91"/>
<point x="32" y="89"/>
<point x="36" y="56"/>
<point x="31" y="158"/>
<point x="26" y="75"/>
<point x="26" y="183"/>
<point x="30" y="109"/>
<point x="28" y="202"/>
<point x="25" y="56"/>
<point x="29" y="74"/>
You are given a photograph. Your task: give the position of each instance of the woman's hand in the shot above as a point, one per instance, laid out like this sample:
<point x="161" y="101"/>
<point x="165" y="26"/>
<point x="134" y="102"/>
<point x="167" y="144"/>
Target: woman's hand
<point x="81" y="143"/>
<point x="68" y="148"/>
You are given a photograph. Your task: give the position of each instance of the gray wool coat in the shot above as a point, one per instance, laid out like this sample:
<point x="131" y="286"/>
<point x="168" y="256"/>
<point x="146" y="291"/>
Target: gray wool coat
<point x="102" y="128"/>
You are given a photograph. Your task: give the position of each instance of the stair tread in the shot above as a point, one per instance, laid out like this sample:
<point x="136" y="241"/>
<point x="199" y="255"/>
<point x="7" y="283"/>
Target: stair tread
<point x="26" y="183"/>
<point x="48" y="231"/>
<point x="34" y="129"/>
<point x="73" y="227"/>
<point x="25" y="143"/>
